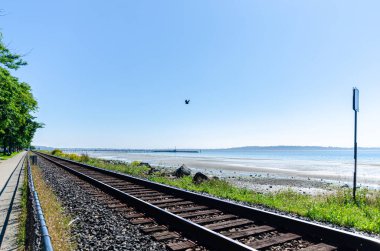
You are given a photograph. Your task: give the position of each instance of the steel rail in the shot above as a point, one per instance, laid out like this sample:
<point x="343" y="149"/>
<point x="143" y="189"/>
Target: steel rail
<point x="344" y="240"/>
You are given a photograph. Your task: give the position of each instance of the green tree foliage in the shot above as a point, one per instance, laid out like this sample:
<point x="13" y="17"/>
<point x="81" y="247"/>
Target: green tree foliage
<point x="8" y="59"/>
<point x="17" y="104"/>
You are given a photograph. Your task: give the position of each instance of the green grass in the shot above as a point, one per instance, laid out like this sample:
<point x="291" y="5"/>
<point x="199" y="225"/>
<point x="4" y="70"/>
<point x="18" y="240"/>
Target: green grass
<point x="21" y="236"/>
<point x="337" y="208"/>
<point x="5" y="157"/>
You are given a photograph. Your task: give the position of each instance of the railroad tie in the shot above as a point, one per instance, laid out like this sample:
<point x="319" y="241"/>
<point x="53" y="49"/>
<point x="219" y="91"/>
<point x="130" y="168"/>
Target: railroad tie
<point x="199" y="213"/>
<point x="164" y="205"/>
<point x="180" y="246"/>
<point x="154" y="202"/>
<point x="133" y="187"/>
<point x="265" y="243"/>
<point x="121" y="186"/>
<point x="228" y="224"/>
<point x="319" y="247"/>
<point x="112" y="206"/>
<point x="141" y="221"/>
<point x="248" y="232"/>
<point x="136" y="194"/>
<point x="153" y="229"/>
<point x="166" y="235"/>
<point x="187" y="209"/>
<point x="124" y="209"/>
<point x="156" y="197"/>
<point x="213" y="219"/>
<point x="134" y="215"/>
<point x="112" y="181"/>
<point x="134" y="191"/>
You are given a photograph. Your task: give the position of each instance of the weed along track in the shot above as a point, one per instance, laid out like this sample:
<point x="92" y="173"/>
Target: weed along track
<point x="186" y="220"/>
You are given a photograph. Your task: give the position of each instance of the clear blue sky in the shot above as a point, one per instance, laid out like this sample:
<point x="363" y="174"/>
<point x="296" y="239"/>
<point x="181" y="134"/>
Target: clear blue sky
<point x="116" y="73"/>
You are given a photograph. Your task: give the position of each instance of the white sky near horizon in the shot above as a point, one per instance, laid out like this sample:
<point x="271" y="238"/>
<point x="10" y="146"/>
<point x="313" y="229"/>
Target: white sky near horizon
<point x="260" y="73"/>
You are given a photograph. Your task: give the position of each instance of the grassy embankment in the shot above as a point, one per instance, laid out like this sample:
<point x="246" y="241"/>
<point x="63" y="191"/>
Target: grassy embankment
<point x="337" y="208"/>
<point x="55" y="218"/>
<point x="5" y="156"/>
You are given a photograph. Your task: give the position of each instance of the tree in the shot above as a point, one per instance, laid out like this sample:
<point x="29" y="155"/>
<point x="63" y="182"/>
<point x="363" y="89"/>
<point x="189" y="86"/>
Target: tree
<point x="8" y="59"/>
<point x="17" y="104"/>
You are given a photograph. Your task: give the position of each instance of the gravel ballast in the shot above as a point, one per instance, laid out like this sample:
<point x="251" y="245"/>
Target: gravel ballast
<point x="95" y="226"/>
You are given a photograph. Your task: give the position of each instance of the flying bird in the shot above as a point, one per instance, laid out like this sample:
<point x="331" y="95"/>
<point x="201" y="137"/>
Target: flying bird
<point x="187" y="101"/>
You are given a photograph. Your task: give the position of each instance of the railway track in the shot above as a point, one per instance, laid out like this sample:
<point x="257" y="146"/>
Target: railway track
<point x="211" y="222"/>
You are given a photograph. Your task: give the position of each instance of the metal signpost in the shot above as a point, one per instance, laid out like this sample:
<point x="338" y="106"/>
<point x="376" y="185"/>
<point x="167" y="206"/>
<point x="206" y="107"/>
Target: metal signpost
<point x="355" y="107"/>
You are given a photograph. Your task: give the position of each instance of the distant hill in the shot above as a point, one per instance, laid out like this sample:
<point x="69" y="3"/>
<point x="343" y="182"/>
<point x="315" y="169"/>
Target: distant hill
<point x="298" y="148"/>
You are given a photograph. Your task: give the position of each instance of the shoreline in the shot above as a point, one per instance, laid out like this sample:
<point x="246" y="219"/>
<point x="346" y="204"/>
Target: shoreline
<point x="251" y="174"/>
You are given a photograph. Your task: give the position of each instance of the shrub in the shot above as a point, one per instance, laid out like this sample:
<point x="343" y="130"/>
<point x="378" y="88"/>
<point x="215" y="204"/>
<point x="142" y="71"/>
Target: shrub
<point x="57" y="152"/>
<point x="135" y="163"/>
<point x="84" y="158"/>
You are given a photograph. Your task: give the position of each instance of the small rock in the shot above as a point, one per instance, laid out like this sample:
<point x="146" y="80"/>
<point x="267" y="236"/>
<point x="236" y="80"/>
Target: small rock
<point x="152" y="170"/>
<point x="145" y="164"/>
<point x="182" y="171"/>
<point x="345" y="186"/>
<point x="199" y="178"/>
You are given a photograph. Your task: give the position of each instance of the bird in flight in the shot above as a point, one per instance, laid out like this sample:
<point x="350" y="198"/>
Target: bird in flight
<point x="187" y="101"/>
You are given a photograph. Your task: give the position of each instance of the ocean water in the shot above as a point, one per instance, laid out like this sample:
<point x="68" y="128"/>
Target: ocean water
<point x="329" y="164"/>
